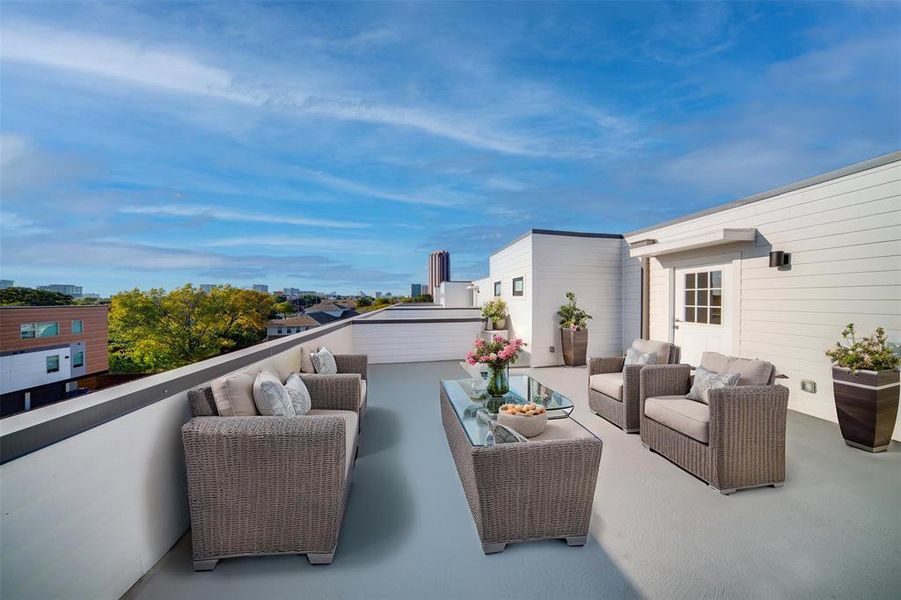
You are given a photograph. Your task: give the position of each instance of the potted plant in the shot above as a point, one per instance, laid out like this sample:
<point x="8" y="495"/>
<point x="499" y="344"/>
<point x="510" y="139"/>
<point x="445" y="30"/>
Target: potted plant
<point x="495" y="311"/>
<point x="865" y="383"/>
<point x="573" y="332"/>
<point x="497" y="353"/>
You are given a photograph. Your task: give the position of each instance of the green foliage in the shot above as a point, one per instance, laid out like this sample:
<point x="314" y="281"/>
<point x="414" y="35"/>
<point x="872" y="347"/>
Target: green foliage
<point x="870" y="353"/>
<point x="494" y="310"/>
<point x="282" y="308"/>
<point x="368" y="304"/>
<point x="571" y="316"/>
<point x="22" y="296"/>
<point x="156" y="330"/>
<point x="364" y="301"/>
<point x="308" y="300"/>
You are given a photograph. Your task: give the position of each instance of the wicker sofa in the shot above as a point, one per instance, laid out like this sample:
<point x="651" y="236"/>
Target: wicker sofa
<point x="274" y="485"/>
<point x="736" y="440"/>
<point x="613" y="386"/>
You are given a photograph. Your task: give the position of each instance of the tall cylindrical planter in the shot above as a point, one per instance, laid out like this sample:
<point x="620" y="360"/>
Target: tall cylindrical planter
<point x="867" y="405"/>
<point x="575" y="346"/>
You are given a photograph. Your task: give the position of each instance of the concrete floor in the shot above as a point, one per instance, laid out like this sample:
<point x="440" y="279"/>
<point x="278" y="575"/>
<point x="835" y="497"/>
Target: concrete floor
<point x="833" y="531"/>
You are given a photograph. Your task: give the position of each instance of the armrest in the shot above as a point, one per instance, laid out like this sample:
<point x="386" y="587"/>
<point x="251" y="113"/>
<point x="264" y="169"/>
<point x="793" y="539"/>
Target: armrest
<point x="752" y="413"/>
<point x="605" y="364"/>
<point x="352" y="363"/>
<point x="664" y="380"/>
<point x="632" y="381"/>
<point x="334" y="392"/>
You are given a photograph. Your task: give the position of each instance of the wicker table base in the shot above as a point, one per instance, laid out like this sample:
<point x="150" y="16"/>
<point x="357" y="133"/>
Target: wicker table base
<point x="540" y="489"/>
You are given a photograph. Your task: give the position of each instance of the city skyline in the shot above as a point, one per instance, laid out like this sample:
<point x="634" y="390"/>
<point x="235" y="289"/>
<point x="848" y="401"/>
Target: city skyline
<point x="333" y="146"/>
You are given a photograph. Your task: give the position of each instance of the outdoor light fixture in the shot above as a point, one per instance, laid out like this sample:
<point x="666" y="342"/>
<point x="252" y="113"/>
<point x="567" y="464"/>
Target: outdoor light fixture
<point x="778" y="258"/>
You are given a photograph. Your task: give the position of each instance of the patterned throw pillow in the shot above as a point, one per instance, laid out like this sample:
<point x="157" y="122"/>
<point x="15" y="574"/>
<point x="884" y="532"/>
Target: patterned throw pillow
<point x="505" y="435"/>
<point x="707" y="380"/>
<point x="324" y="362"/>
<point x="299" y="394"/>
<point x="637" y="357"/>
<point x="271" y="397"/>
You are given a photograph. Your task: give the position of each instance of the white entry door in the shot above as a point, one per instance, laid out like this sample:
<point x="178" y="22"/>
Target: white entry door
<point x="703" y="311"/>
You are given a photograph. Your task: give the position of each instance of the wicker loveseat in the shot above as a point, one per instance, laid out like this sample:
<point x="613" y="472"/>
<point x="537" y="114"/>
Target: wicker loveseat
<point x="274" y="485"/>
<point x="736" y="440"/>
<point x="613" y="386"/>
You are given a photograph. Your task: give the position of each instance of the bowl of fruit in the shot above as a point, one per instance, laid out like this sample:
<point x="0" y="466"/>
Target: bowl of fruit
<point x="528" y="420"/>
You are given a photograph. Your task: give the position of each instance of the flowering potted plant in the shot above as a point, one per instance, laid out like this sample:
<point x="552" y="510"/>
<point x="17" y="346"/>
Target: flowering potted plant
<point x="497" y="354"/>
<point x="573" y="331"/>
<point x="865" y="383"/>
<point x="496" y="312"/>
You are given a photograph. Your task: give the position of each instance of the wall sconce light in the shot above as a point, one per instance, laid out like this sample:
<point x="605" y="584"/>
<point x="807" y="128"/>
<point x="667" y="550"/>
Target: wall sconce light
<point x="778" y="258"/>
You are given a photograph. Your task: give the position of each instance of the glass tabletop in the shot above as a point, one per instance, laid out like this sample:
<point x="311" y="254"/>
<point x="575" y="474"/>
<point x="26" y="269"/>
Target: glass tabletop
<point x="468" y="399"/>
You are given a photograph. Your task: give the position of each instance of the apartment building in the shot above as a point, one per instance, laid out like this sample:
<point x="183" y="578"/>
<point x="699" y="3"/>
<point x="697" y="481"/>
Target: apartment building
<point x="63" y="288"/>
<point x="276" y="328"/>
<point x="44" y="350"/>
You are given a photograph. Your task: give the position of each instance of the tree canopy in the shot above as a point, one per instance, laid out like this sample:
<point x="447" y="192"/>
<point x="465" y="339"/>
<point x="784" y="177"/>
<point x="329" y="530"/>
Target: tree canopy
<point x="155" y="330"/>
<point x="23" y="296"/>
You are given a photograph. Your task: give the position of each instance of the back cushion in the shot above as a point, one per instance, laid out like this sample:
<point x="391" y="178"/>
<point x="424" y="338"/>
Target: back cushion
<point x="750" y="371"/>
<point x="234" y="395"/>
<point x="661" y="349"/>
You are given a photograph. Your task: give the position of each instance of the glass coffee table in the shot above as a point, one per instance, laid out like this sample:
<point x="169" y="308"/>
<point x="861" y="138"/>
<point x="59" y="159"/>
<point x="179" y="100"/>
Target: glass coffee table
<point x="469" y="400"/>
<point x="538" y="489"/>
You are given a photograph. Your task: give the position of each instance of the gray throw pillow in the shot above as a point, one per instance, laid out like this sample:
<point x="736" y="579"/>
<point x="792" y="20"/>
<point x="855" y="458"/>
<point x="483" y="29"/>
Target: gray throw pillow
<point x="505" y="435"/>
<point x="271" y="397"/>
<point x="707" y="380"/>
<point x="637" y="357"/>
<point x="324" y="362"/>
<point x="299" y="394"/>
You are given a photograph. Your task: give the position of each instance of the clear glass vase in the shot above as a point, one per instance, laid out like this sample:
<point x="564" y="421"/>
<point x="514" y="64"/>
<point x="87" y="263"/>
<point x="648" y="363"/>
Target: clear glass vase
<point x="498" y="380"/>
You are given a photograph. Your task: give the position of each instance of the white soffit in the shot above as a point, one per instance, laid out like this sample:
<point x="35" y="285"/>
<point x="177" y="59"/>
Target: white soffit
<point x="717" y="237"/>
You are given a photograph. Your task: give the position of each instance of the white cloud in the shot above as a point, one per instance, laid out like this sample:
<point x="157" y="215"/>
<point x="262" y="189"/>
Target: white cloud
<point x="223" y="214"/>
<point x="16" y="225"/>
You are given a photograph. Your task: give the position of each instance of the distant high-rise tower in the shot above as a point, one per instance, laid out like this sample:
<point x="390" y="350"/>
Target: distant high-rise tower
<point x="439" y="269"/>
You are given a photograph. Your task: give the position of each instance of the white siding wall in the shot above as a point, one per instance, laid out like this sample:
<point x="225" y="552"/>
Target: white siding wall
<point x="631" y="298"/>
<point x="592" y="268"/>
<point x="844" y="236"/>
<point x="414" y="342"/>
<point x="87" y="516"/>
<point x="515" y="261"/>
<point x="29" y="369"/>
<point x="486" y="291"/>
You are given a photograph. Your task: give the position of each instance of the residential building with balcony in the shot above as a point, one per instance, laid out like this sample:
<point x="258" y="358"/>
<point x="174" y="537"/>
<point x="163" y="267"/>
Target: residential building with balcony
<point x="44" y="350"/>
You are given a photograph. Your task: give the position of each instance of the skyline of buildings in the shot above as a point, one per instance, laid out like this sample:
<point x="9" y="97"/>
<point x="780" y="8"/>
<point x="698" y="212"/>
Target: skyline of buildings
<point x="439" y="268"/>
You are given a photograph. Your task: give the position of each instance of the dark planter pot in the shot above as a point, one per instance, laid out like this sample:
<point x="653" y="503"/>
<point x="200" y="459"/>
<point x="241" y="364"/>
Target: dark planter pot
<point x="867" y="405"/>
<point x="575" y="346"/>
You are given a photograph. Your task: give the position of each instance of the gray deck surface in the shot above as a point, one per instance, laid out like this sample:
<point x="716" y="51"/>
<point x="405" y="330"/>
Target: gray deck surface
<point x="833" y="531"/>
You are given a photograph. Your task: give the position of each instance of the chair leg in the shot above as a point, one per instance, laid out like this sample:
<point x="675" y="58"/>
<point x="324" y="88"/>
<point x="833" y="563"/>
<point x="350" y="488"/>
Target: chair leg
<point x="320" y="559"/>
<point x="493" y="548"/>
<point x="725" y="492"/>
<point x="777" y="485"/>
<point x="577" y="540"/>
<point x="205" y="565"/>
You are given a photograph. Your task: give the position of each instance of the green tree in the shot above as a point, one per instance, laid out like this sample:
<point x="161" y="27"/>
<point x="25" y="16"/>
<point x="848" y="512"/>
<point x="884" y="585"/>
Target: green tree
<point x="155" y="330"/>
<point x="23" y="296"/>
<point x="282" y="308"/>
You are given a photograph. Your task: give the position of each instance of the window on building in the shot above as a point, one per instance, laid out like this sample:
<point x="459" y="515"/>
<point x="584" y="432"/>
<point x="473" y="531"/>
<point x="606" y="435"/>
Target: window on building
<point x="279" y="330"/>
<point x="77" y="326"/>
<point x="704" y="297"/>
<point x="78" y="359"/>
<point x="53" y="364"/>
<point x="519" y="286"/>
<point x="497" y="289"/>
<point x="38" y="330"/>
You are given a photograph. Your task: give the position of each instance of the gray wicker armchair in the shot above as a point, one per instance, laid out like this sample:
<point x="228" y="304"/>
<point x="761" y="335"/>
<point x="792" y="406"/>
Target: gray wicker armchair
<point x="613" y="386"/>
<point x="348" y="366"/>
<point x="735" y="441"/>
<point x="272" y="485"/>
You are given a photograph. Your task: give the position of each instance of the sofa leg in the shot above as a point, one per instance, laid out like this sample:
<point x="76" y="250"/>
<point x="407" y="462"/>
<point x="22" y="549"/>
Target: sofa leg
<point x="577" y="540"/>
<point x="493" y="548"/>
<point x="777" y="485"/>
<point x="631" y="430"/>
<point x="320" y="559"/>
<point x="646" y="447"/>
<point x="205" y="565"/>
<point x="725" y="492"/>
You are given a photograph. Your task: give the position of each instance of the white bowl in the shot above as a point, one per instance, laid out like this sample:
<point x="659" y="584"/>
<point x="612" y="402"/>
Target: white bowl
<point x="525" y="425"/>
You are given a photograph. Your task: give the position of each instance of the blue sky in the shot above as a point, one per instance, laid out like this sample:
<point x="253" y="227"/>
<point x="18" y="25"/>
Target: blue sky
<point x="331" y="146"/>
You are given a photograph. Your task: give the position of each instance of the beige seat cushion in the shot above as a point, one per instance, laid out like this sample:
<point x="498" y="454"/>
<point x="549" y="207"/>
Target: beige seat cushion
<point x="609" y="384"/>
<point x="661" y="349"/>
<point x="678" y="412"/>
<point x="233" y="394"/>
<point x="350" y="433"/>
<point x="750" y="371"/>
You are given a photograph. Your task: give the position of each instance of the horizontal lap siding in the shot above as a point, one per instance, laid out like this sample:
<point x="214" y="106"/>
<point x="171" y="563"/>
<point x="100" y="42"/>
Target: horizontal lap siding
<point x="844" y="237"/>
<point x="593" y="269"/>
<point x="515" y="261"/>
<point x="631" y="299"/>
<point x="401" y="342"/>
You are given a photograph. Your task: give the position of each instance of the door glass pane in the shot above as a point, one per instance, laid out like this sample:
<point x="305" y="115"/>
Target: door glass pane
<point x="702" y="280"/>
<point x="716" y="279"/>
<point x="78" y="359"/>
<point x="702" y="315"/>
<point x="716" y="316"/>
<point x="716" y="297"/>
<point x="702" y="298"/>
<point x="690" y="314"/>
<point x="52" y="364"/>
<point x="689" y="297"/>
<point x="689" y="281"/>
